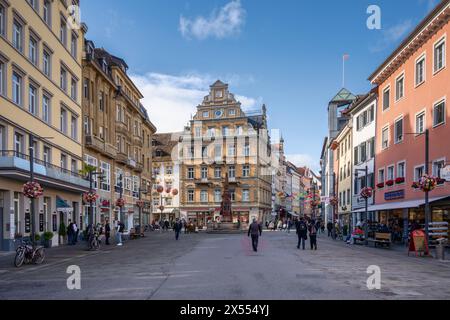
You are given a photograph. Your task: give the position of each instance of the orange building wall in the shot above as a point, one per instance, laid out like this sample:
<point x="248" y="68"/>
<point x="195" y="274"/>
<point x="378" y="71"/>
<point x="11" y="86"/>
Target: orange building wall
<point x="412" y="149"/>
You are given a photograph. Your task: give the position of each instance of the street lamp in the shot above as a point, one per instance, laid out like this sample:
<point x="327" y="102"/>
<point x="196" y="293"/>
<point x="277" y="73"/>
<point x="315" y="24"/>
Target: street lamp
<point x="141" y="191"/>
<point x="366" y="200"/>
<point x="91" y="175"/>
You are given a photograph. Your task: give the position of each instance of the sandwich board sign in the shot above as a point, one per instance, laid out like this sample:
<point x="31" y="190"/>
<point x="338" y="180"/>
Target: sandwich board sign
<point x="445" y="173"/>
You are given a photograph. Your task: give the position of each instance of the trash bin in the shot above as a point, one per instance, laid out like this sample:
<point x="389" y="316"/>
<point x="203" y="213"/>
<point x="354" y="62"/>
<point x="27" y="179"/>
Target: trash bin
<point x="440" y="250"/>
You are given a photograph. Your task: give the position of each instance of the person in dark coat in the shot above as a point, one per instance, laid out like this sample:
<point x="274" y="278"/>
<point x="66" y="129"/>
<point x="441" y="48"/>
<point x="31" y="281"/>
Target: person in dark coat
<point x="177" y="228"/>
<point x="313" y="235"/>
<point x="329" y="228"/>
<point x="255" y="231"/>
<point x="107" y="231"/>
<point x="302" y="233"/>
<point x="70" y="234"/>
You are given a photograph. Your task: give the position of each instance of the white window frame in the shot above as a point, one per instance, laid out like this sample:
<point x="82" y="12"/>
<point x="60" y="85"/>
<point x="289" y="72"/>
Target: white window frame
<point x="203" y="196"/>
<point x="245" y="198"/>
<point x="422" y="57"/>
<point x="400" y="118"/>
<point x="441" y="40"/>
<point x="190" y="195"/>
<point x="18" y="97"/>
<point x="18" y="46"/>
<point x="47" y="19"/>
<point x="33" y="55"/>
<point x="388" y="177"/>
<point x="435" y="104"/>
<point x="434" y="162"/>
<point x="424" y="113"/>
<point x="33" y="105"/>
<point x="416" y="178"/>
<point x="386" y="127"/>
<point x="401" y="76"/>
<point x="246" y="171"/>
<point x="404" y="169"/>
<point x="46" y="64"/>
<point x="3" y="21"/>
<point x="384" y="175"/>
<point x="387" y="88"/>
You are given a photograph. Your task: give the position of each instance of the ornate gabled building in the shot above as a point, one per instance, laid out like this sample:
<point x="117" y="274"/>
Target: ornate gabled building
<point x="117" y="137"/>
<point x="223" y="139"/>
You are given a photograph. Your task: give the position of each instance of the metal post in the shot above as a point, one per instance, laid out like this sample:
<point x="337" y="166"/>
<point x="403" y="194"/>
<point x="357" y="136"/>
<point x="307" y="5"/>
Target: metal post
<point x="366" y="231"/>
<point x="427" y="171"/>
<point x="31" y="151"/>
<point x="91" y="208"/>
<point x="120" y="196"/>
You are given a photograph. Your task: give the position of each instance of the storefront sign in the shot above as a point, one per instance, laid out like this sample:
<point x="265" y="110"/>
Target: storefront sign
<point x="41" y="222"/>
<point x="27" y="222"/>
<point x="54" y="223"/>
<point x="394" y="195"/>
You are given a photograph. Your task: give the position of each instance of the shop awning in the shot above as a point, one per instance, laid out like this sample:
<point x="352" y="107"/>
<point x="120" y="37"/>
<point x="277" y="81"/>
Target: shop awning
<point x="62" y="206"/>
<point x="399" y="205"/>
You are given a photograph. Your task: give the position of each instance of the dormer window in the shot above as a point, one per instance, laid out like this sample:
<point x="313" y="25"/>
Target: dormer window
<point x="219" y="94"/>
<point x="159" y="153"/>
<point x="104" y="65"/>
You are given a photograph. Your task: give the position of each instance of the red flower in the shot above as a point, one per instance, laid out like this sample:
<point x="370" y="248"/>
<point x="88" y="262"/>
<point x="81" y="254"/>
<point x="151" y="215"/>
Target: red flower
<point x="120" y="202"/>
<point x="380" y="185"/>
<point x="390" y="183"/>
<point x="400" y="180"/>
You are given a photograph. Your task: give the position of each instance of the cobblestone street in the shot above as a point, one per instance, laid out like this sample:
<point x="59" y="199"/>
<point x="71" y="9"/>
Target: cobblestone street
<point x="204" y="266"/>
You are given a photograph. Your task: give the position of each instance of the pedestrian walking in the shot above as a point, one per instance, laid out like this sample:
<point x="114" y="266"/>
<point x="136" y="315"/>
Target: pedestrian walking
<point x="302" y="233"/>
<point x="120" y="229"/>
<point x="313" y="235"/>
<point x="255" y="231"/>
<point x="177" y="228"/>
<point x="75" y="233"/>
<point x="107" y="232"/>
<point x="329" y="228"/>
<point x="70" y="233"/>
<point x="166" y="225"/>
<point x="322" y="227"/>
<point x="280" y="224"/>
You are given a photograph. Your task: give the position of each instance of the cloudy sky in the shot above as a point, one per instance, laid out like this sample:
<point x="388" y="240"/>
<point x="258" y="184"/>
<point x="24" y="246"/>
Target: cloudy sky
<point x="285" y="53"/>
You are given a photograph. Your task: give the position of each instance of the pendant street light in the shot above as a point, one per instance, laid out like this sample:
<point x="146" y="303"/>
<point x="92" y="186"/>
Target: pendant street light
<point x="366" y="172"/>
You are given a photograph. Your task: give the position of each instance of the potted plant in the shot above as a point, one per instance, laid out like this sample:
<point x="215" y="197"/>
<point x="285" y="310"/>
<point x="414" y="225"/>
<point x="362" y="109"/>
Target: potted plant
<point x="380" y="185"/>
<point x="37" y="237"/>
<point x="400" y="180"/>
<point x="62" y="232"/>
<point x="48" y="236"/>
<point x="390" y="183"/>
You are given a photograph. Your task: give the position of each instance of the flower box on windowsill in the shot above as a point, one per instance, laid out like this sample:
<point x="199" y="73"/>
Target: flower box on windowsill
<point x="440" y="181"/>
<point x="400" y="180"/>
<point x="380" y="185"/>
<point x="390" y="183"/>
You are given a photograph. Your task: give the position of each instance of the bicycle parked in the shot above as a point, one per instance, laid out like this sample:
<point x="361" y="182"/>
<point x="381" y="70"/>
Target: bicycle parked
<point x="27" y="253"/>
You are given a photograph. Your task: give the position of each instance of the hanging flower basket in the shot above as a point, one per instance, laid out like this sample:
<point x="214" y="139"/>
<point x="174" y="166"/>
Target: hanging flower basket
<point x="105" y="203"/>
<point x="380" y="185"/>
<point x="174" y="192"/>
<point x="427" y="183"/>
<point x="334" y="201"/>
<point x="390" y="183"/>
<point x="400" y="180"/>
<point x="120" y="202"/>
<point x="160" y="189"/>
<point x="90" y="197"/>
<point x="140" y="203"/>
<point x="168" y="190"/>
<point x="366" y="193"/>
<point x="32" y="190"/>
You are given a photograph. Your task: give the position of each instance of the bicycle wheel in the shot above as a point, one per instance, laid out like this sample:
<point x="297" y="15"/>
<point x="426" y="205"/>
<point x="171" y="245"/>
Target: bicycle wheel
<point x="39" y="256"/>
<point x="19" y="259"/>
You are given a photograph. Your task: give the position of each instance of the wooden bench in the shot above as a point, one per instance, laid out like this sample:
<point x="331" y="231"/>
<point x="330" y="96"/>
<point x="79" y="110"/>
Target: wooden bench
<point x="381" y="238"/>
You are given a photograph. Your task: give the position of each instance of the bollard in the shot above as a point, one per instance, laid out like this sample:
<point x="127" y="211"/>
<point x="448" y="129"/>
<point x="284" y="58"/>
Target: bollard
<point x="440" y="250"/>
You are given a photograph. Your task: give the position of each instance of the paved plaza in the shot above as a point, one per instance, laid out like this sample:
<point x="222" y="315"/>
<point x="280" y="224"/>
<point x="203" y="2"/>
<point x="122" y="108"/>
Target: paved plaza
<point x="204" y="266"/>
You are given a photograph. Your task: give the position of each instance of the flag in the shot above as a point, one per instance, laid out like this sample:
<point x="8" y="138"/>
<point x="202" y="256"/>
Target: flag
<point x="346" y="56"/>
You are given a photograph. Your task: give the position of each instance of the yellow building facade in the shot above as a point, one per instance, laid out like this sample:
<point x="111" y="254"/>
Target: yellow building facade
<point x="223" y="141"/>
<point x="40" y="107"/>
<point x="117" y="136"/>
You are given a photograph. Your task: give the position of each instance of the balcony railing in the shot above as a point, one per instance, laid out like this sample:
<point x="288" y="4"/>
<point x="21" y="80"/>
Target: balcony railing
<point x="18" y="160"/>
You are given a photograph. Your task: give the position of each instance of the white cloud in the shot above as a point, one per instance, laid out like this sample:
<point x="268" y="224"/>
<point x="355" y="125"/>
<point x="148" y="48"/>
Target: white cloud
<point x="225" y="22"/>
<point x="302" y="160"/>
<point x="392" y="35"/>
<point x="171" y="100"/>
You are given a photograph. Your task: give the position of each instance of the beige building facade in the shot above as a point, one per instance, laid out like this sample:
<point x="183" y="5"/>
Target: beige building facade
<point x="224" y="141"/>
<point x="117" y="136"/>
<point x="40" y="98"/>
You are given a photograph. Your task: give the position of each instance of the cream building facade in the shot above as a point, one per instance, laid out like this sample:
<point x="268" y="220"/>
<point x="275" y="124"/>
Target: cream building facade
<point x="40" y="98"/>
<point x="223" y="141"/>
<point x="117" y="136"/>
